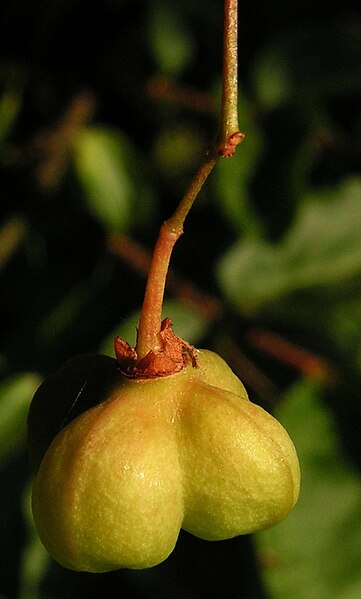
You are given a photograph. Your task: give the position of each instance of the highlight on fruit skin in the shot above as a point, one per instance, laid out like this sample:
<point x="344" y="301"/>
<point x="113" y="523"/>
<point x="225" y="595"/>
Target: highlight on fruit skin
<point x="188" y="451"/>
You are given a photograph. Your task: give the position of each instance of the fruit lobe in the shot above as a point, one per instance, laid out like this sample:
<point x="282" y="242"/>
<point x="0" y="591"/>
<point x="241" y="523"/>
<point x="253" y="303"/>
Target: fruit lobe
<point x="188" y="450"/>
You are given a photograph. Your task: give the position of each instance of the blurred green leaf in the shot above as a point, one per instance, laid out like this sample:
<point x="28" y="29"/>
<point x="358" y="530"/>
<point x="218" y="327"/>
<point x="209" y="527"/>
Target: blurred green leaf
<point x="113" y="178"/>
<point x="170" y="39"/>
<point x="15" y="396"/>
<point x="316" y="551"/>
<point x="186" y="323"/>
<point x="322" y="248"/>
<point x="311" y="62"/>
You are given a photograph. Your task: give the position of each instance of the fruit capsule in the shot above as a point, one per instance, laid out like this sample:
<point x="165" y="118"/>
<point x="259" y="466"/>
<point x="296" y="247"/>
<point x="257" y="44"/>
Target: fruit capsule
<point x="189" y="450"/>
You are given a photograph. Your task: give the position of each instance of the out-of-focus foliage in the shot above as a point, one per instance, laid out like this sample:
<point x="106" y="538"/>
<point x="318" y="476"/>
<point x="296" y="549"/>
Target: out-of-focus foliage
<point x="327" y="519"/>
<point x="170" y="38"/>
<point x="106" y="109"/>
<point x="313" y="62"/>
<point x="113" y="177"/>
<point x="15" y="395"/>
<point x="322" y="248"/>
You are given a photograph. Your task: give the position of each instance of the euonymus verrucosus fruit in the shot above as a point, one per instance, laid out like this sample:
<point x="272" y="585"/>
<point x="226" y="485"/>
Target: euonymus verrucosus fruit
<point x="128" y="451"/>
<point x="152" y="455"/>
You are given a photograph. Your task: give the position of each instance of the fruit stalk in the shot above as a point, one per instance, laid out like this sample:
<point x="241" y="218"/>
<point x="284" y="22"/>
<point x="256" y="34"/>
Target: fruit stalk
<point x="148" y="337"/>
<point x="151" y="314"/>
<point x="229" y="134"/>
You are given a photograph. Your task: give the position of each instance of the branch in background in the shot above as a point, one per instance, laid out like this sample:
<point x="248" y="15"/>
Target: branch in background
<point x="304" y="361"/>
<point x="50" y="148"/>
<point x="164" y="90"/>
<point x="54" y="145"/>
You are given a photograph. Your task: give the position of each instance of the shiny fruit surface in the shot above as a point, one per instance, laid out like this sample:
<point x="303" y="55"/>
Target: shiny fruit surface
<point x="189" y="451"/>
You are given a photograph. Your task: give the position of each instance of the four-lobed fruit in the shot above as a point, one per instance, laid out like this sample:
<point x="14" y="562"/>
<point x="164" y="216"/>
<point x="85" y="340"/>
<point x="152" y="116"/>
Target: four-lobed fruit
<point x="187" y="450"/>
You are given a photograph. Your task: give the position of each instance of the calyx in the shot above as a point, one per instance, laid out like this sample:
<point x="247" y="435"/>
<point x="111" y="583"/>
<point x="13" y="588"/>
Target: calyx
<point x="172" y="355"/>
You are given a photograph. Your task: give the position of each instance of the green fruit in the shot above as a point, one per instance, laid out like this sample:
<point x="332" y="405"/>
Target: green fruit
<point x="187" y="450"/>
